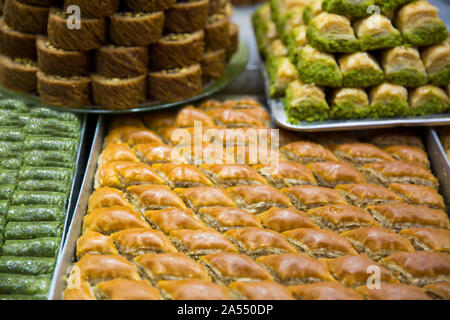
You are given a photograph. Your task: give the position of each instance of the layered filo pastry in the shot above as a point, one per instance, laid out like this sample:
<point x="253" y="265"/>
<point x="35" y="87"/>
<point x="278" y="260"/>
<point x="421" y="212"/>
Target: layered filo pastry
<point x="228" y="175"/>
<point x="193" y="289"/>
<point x="307" y="197"/>
<point x="171" y="219"/>
<point x="189" y="116"/>
<point x="354" y="270"/>
<point x="364" y="194"/>
<point x="281" y="72"/>
<point x="401" y="215"/>
<point x="122" y="174"/>
<point x="389" y="172"/>
<point x="332" y="173"/>
<point x="182" y="175"/>
<point x="226" y="218"/>
<point x="107" y="197"/>
<point x="395" y="136"/>
<point x="319" y="243"/>
<point x="360" y="153"/>
<point x="349" y="103"/>
<point x="313" y="9"/>
<point x="156" y="152"/>
<point x="81" y="293"/>
<point x="256" y="117"/>
<point x="201" y="197"/>
<point x="402" y="65"/>
<point x="420" y="24"/>
<point x="428" y="100"/>
<point x="124" y="289"/>
<point x="437" y="63"/>
<point x="389" y="100"/>
<point x="261" y="290"/>
<point x="156" y="267"/>
<point x="200" y="242"/>
<point x="258" y="198"/>
<point x="438" y="291"/>
<point x="295" y="40"/>
<point x="131" y="135"/>
<point x="409" y="153"/>
<point x="324" y="291"/>
<point x="392" y="291"/>
<point x="419" y="195"/>
<point x="305" y="152"/>
<point x="112" y="219"/>
<point x="225" y="268"/>
<point x="95" y="243"/>
<point x="376" y="32"/>
<point x="281" y="220"/>
<point x="154" y="197"/>
<point x="360" y="70"/>
<point x="419" y="268"/>
<point x="286" y="174"/>
<point x="291" y="269"/>
<point x="377" y="242"/>
<point x="341" y="217"/>
<point x="428" y="239"/>
<point x="117" y="152"/>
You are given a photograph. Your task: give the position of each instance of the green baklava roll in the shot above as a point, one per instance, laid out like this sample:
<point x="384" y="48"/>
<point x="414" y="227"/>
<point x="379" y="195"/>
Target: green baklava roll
<point x="54" y="127"/>
<point x="376" y="32"/>
<point x="437" y="63"/>
<point x="233" y="46"/>
<point x="420" y="24"/>
<point x="6" y="191"/>
<point x="44" y="185"/>
<point x="47" y="113"/>
<point x="16" y="44"/>
<point x="11" y="134"/>
<point x="428" y="100"/>
<point x="175" y="84"/>
<point x="349" y="103"/>
<point x="26" y="265"/>
<point x="46" y="173"/>
<point x="149" y="5"/>
<point x="25" y="18"/>
<point x="59" y="62"/>
<point x="11" y="164"/>
<point x="14" y="104"/>
<point x="281" y="73"/>
<point x="91" y="35"/>
<point x="177" y="50"/>
<point x="61" y="159"/>
<point x="313" y="9"/>
<point x="217" y="34"/>
<point x="94" y="8"/>
<point x="121" y="62"/>
<point x="8" y="147"/>
<point x="31" y="230"/>
<point x="293" y="18"/>
<point x="64" y="91"/>
<point x="351" y="8"/>
<point x="34" y="213"/>
<point x="136" y="29"/>
<point x="389" y="100"/>
<point x="39" y="247"/>
<point x="187" y="16"/>
<point x="24" y="284"/>
<point x="390" y="5"/>
<point x="50" y="144"/>
<point x="118" y="93"/>
<point x="4" y="205"/>
<point x="296" y="40"/>
<point x="402" y="65"/>
<point x="39" y="198"/>
<point x="360" y="70"/>
<point x="213" y="65"/>
<point x="318" y="67"/>
<point x="277" y="49"/>
<point x="8" y="176"/>
<point x="305" y="102"/>
<point x="330" y="32"/>
<point x="18" y="74"/>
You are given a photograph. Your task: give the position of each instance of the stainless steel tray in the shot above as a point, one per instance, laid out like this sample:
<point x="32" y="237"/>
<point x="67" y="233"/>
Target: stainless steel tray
<point x="279" y="118"/>
<point x="440" y="164"/>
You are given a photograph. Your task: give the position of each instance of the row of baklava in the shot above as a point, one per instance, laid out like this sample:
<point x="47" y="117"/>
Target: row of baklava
<point x="37" y="162"/>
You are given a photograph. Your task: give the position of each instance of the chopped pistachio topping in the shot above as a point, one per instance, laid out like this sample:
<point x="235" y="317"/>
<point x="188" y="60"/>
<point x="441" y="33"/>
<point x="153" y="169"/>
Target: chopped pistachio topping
<point x="26" y="62"/>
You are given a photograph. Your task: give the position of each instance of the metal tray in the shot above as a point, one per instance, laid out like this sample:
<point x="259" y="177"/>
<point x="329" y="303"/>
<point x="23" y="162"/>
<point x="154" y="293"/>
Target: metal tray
<point x="279" y="118"/>
<point x="440" y="164"/>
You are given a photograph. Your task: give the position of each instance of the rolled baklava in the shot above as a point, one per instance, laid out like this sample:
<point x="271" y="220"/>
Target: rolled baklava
<point x="233" y="33"/>
<point x="217" y="34"/>
<point x="376" y="32"/>
<point x="213" y="65"/>
<point x="121" y="62"/>
<point x="360" y="70"/>
<point x="16" y="44"/>
<point x="437" y="63"/>
<point x="25" y="17"/>
<point x="149" y="6"/>
<point x="94" y="8"/>
<point x="428" y="100"/>
<point x="389" y="100"/>
<point x="349" y="103"/>
<point x="18" y="74"/>
<point x="188" y="16"/>
<point x="281" y="72"/>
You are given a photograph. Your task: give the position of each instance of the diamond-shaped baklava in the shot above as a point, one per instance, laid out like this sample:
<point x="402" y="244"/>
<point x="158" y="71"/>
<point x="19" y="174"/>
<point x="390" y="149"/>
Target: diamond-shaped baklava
<point x="305" y="152"/>
<point x="123" y="289"/>
<point x="330" y="173"/>
<point x="428" y="239"/>
<point x="420" y="195"/>
<point x="107" y="197"/>
<point x="287" y="174"/>
<point x="392" y="291"/>
<point x="226" y="218"/>
<point x="171" y="219"/>
<point x="308" y="197"/>
<point x="193" y="289"/>
<point x="364" y="194"/>
<point x="182" y="175"/>
<point x="360" y="153"/>
<point x="154" y="197"/>
<point x="324" y="291"/>
<point x="113" y="219"/>
<point x="263" y="290"/>
<point x="94" y="243"/>
<point x="409" y="153"/>
<point x="281" y="220"/>
<point x="228" y="175"/>
<point x="205" y="197"/>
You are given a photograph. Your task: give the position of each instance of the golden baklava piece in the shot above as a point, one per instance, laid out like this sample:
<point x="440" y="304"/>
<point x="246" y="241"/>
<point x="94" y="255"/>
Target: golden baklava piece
<point x="291" y="269"/>
<point x="341" y="217"/>
<point x="258" y="198"/>
<point x="360" y="153"/>
<point x="401" y="215"/>
<point x="81" y="292"/>
<point x="353" y="271"/>
<point x="157" y="152"/>
<point x="428" y="239"/>
<point x="254" y="154"/>
<point x="197" y="243"/>
<point x="226" y="218"/>
<point x="193" y="289"/>
<point x="281" y="220"/>
<point x="392" y="291"/>
<point x="409" y="153"/>
<point x="224" y="268"/>
<point x="305" y="152"/>
<point x="438" y="291"/>
<point x="319" y="243"/>
<point x="169" y="266"/>
<point x="228" y="175"/>
<point x="419" y="195"/>
<point x="117" y="152"/>
<point x="286" y="174"/>
<point x="159" y="120"/>
<point x="256" y="242"/>
<point x="113" y="219"/>
<point x="324" y="291"/>
<point x="237" y="118"/>
<point x="154" y="197"/>
<point x="94" y="243"/>
<point x="364" y="194"/>
<point x="308" y="197"/>
<point x="182" y="175"/>
<point x="331" y="173"/>
<point x="132" y="135"/>
<point x="263" y="290"/>
<point x="388" y="172"/>
<point x="124" y="289"/>
<point x="396" y="136"/>
<point x="201" y="197"/>
<point x="107" y="197"/>
<point x="122" y="174"/>
<point x="419" y="268"/>
<point x="189" y="116"/>
<point x="132" y="120"/>
<point x="377" y="242"/>
<point x="171" y="219"/>
<point x="437" y="63"/>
